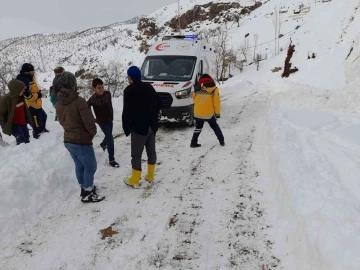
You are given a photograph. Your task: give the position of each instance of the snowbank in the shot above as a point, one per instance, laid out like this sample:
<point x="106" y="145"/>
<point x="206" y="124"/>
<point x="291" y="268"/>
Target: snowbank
<point x="312" y="144"/>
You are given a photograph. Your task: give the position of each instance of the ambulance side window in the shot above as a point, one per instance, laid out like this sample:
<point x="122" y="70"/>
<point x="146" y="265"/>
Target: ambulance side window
<point x="201" y="68"/>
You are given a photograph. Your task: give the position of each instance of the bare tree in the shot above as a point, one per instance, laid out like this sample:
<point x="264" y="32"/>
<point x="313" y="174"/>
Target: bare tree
<point x="113" y="75"/>
<point x="7" y="72"/>
<point x="239" y="64"/>
<point x="275" y="20"/>
<point x="258" y="60"/>
<point x="256" y="40"/>
<point x="280" y="23"/>
<point x="221" y="45"/>
<point x="244" y="48"/>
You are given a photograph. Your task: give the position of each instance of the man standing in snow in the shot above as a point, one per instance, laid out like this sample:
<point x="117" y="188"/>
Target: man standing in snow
<point x="140" y="119"/>
<point x="206" y="109"/>
<point x="33" y="99"/>
<point x="56" y="90"/>
<point x="14" y="114"/>
<point x="79" y="130"/>
<point x="102" y="104"/>
<point x="57" y="71"/>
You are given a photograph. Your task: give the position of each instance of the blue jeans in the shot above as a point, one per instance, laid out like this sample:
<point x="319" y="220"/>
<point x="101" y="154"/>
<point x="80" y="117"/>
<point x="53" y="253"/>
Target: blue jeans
<point x="85" y="163"/>
<point x="21" y="133"/>
<point x="107" y="128"/>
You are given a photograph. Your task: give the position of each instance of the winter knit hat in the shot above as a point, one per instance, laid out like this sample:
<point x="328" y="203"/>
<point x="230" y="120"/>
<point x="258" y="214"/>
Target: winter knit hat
<point x="58" y="70"/>
<point x="27" y="67"/>
<point x="15" y="87"/>
<point x="205" y="78"/>
<point x="134" y="73"/>
<point x="66" y="80"/>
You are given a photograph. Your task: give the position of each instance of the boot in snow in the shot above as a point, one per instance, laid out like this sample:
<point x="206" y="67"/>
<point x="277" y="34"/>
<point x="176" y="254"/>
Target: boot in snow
<point x="151" y="173"/>
<point x="195" y="145"/>
<point x="90" y="196"/>
<point x="134" y="180"/>
<point x="114" y="164"/>
<point x="103" y="146"/>
<point x="222" y="143"/>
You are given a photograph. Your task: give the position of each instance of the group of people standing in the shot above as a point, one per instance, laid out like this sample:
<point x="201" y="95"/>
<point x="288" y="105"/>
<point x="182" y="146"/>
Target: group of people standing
<point x="23" y="106"/>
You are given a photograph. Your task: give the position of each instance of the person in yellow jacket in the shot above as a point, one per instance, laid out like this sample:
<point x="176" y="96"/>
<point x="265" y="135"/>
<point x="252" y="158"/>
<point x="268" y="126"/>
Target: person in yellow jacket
<point x="206" y="109"/>
<point x="33" y="99"/>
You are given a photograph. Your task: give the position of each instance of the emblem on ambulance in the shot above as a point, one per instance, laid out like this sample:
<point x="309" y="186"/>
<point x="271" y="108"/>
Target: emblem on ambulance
<point x="183" y="47"/>
<point x="162" y="47"/>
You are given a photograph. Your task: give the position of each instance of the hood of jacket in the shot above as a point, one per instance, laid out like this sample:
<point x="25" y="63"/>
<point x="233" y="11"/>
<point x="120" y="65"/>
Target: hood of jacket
<point x="15" y="87"/>
<point x="209" y="87"/>
<point x="66" y="96"/>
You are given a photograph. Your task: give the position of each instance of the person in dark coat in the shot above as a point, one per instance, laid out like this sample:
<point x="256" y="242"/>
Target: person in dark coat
<point x="104" y="112"/>
<point x="140" y="119"/>
<point x="14" y="114"/>
<point x="33" y="99"/>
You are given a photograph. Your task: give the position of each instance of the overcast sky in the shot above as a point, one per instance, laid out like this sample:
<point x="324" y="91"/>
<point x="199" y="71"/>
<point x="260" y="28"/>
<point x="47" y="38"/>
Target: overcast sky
<point x="26" y="17"/>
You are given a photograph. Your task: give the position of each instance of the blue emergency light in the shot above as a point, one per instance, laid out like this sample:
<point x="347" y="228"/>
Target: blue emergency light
<point x="191" y="36"/>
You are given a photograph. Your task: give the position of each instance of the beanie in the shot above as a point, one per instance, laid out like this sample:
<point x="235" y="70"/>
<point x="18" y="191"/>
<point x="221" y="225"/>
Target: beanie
<point x="27" y="67"/>
<point x="66" y="80"/>
<point x="15" y="87"/>
<point x="134" y="73"/>
<point x="58" y="70"/>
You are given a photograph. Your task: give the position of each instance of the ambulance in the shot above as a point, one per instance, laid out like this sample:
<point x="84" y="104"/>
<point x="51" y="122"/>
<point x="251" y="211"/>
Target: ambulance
<point x="173" y="66"/>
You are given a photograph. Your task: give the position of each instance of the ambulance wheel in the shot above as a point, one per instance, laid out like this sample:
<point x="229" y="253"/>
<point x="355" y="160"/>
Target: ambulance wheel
<point x="191" y="120"/>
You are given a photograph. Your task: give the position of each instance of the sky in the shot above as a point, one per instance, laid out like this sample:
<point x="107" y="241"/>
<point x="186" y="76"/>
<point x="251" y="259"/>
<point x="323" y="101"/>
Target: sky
<point x="22" y="18"/>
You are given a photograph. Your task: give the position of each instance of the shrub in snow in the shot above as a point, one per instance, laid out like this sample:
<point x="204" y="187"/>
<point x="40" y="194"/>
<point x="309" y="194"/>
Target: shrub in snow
<point x="287" y="69"/>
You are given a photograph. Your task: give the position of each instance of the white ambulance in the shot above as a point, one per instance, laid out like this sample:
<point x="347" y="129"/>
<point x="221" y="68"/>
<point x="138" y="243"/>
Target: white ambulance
<point x="173" y="67"/>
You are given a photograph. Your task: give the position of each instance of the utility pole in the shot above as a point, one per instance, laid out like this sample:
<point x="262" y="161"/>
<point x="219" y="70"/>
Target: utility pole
<point x="179" y="17"/>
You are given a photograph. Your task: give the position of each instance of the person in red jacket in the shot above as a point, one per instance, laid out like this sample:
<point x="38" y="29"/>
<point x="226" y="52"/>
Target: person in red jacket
<point x="14" y="114"/>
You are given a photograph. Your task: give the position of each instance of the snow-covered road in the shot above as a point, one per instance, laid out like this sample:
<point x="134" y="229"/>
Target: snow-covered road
<point x="282" y="194"/>
<point x="203" y="212"/>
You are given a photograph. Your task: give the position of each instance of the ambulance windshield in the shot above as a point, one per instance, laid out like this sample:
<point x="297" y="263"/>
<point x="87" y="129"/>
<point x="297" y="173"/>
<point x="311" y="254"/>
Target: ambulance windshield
<point x="168" y="68"/>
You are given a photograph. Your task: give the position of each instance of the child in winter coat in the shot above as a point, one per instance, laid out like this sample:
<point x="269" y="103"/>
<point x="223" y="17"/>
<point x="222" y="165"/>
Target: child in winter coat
<point x="33" y="99"/>
<point x="79" y="130"/>
<point x="206" y="109"/>
<point x="14" y="114"/>
<point x="102" y="104"/>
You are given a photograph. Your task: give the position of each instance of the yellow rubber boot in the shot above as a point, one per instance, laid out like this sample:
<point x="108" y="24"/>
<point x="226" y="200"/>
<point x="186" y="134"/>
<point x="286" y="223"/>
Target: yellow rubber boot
<point x="134" y="180"/>
<point x="151" y="173"/>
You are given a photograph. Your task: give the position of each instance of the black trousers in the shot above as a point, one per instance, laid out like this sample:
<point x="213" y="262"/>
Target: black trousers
<point x="213" y="124"/>
<point x="39" y="118"/>
<point x="138" y="142"/>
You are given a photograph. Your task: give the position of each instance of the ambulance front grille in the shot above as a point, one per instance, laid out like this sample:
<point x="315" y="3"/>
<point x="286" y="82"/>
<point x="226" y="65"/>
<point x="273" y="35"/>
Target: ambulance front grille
<point x="166" y="100"/>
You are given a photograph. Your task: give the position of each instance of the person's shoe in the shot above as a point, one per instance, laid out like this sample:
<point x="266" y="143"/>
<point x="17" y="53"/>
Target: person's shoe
<point x="151" y="173"/>
<point x="195" y="145"/>
<point x="222" y="143"/>
<point x="36" y="136"/>
<point x="46" y="130"/>
<point x="134" y="180"/>
<point x="83" y="190"/>
<point x="114" y="164"/>
<point x="90" y="196"/>
<point x="103" y="146"/>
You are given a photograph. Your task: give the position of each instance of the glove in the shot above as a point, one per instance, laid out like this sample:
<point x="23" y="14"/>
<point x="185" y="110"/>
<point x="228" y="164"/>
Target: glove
<point x="39" y="95"/>
<point x="217" y="116"/>
<point x="27" y="95"/>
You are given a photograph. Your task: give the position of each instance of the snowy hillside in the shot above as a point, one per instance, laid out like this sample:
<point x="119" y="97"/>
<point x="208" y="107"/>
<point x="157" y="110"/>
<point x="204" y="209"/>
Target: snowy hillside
<point x="282" y="194"/>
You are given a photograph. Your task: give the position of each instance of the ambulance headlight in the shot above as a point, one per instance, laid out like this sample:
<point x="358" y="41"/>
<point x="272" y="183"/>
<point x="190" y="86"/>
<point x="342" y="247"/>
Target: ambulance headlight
<point x="183" y="93"/>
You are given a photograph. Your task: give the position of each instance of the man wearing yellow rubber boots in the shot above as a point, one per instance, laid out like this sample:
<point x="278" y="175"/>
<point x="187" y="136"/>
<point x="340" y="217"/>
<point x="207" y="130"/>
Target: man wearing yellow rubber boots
<point x="140" y="119"/>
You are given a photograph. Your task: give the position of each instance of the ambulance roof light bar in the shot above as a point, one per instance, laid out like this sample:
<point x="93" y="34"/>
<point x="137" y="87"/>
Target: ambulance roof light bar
<point x="188" y="37"/>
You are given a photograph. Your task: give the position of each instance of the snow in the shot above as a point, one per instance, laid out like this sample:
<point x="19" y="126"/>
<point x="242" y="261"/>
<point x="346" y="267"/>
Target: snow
<point x="282" y="194"/>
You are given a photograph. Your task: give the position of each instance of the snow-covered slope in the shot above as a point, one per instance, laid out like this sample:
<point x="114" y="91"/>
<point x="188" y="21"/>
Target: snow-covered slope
<point x="282" y="194"/>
